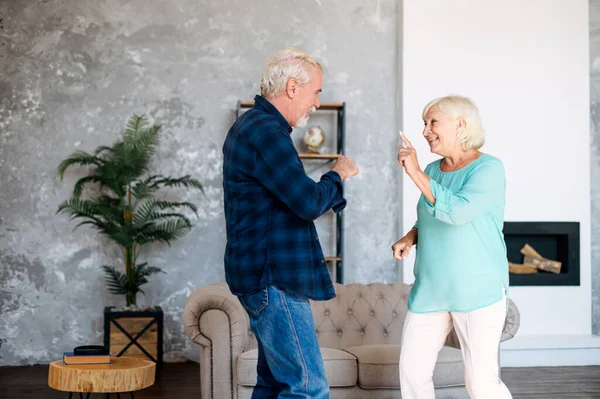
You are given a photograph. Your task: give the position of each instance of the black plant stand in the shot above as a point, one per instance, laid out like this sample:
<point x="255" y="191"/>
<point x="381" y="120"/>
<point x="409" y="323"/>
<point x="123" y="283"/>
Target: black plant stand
<point x="115" y="318"/>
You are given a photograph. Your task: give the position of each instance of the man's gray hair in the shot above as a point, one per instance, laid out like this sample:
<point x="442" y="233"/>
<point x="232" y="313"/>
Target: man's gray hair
<point x="286" y="64"/>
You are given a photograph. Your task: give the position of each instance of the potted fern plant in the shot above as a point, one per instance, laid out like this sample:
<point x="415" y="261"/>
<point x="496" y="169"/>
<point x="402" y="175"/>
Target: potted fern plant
<point x="123" y="206"/>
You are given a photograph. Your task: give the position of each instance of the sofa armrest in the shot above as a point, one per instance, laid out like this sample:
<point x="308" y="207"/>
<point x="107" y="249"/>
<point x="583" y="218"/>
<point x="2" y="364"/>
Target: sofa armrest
<point x="214" y="318"/>
<point x="513" y="320"/>
<point x="511" y="326"/>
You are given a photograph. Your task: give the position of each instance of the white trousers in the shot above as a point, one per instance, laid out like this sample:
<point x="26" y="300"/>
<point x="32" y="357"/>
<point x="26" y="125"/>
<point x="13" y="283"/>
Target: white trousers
<point x="478" y="332"/>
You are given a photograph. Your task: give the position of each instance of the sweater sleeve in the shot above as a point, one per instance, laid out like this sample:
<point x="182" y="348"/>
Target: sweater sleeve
<point x="483" y="190"/>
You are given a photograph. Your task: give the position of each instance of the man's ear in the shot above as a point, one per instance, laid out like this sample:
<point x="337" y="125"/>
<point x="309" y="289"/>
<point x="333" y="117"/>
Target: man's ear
<point x="292" y="88"/>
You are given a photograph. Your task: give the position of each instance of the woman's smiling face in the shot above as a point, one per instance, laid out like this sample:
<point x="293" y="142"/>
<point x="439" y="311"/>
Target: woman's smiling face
<point x="440" y="131"/>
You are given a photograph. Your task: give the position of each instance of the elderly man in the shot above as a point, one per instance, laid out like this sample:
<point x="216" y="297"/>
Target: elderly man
<point x="273" y="260"/>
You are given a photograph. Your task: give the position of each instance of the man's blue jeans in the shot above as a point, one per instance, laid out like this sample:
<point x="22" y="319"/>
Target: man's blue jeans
<point x="289" y="360"/>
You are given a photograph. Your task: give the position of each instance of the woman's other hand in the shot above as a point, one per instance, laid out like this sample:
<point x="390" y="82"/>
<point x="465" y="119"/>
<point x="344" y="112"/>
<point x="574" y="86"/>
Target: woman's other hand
<point x="402" y="248"/>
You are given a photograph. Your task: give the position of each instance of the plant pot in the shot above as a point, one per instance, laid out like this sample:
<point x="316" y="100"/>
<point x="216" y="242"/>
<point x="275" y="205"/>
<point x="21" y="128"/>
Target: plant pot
<point x="134" y="333"/>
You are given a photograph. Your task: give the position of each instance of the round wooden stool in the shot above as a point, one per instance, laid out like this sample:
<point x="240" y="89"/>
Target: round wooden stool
<point x="123" y="374"/>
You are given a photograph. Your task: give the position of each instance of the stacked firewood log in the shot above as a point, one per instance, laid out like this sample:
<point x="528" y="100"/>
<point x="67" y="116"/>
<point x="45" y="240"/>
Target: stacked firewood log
<point x="533" y="262"/>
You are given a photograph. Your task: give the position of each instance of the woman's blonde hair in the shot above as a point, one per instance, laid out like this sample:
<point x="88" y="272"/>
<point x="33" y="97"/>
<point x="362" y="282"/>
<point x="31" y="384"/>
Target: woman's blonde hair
<point x="286" y="64"/>
<point x="453" y="106"/>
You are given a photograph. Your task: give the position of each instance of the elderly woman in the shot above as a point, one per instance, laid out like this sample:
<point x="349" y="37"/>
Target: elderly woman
<point x="461" y="270"/>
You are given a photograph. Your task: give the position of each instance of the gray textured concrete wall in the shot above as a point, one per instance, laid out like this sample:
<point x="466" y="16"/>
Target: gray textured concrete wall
<point x="595" y="158"/>
<point x="72" y="72"/>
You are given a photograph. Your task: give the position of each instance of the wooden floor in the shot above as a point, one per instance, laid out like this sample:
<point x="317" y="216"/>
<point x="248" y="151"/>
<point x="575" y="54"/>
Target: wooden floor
<point x="181" y="381"/>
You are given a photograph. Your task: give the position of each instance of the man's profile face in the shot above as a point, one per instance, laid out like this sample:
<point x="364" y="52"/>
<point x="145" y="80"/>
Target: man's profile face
<point x="307" y="98"/>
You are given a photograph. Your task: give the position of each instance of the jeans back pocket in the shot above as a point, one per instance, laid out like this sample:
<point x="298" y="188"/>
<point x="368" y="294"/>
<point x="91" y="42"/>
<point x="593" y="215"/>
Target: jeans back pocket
<point x="256" y="302"/>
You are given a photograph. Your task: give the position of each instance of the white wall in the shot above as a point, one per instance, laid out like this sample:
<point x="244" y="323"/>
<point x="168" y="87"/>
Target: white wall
<point x="525" y="64"/>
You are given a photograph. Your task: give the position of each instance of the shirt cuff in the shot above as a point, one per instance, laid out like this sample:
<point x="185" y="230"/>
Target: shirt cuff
<point x="335" y="176"/>
<point x="337" y="208"/>
<point x="441" y="203"/>
<point x="339" y="200"/>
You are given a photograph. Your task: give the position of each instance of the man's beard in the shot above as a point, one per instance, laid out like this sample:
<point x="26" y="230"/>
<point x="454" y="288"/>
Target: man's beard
<point x="303" y="120"/>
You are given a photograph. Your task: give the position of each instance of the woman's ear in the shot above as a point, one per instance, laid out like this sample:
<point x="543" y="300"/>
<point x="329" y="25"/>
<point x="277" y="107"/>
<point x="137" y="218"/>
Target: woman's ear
<point x="460" y="125"/>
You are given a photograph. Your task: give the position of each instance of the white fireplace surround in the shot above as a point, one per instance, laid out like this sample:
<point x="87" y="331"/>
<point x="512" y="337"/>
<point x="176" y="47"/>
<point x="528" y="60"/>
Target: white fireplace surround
<point x="526" y="65"/>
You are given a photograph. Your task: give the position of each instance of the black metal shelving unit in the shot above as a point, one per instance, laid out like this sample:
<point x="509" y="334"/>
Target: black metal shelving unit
<point x="340" y="109"/>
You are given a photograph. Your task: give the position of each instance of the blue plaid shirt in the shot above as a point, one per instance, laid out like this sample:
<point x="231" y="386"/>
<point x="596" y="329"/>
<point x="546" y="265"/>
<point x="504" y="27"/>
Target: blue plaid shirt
<point x="270" y="205"/>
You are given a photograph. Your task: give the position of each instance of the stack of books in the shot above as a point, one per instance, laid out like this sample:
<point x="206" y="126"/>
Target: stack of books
<point x="86" y="358"/>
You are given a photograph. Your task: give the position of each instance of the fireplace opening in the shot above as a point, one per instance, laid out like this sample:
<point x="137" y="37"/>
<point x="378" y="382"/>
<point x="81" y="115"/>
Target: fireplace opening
<point x="555" y="241"/>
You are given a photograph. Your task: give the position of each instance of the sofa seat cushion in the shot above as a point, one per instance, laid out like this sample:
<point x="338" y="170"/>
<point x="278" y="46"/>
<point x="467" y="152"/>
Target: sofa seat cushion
<point x="340" y="367"/>
<point x="378" y="367"/>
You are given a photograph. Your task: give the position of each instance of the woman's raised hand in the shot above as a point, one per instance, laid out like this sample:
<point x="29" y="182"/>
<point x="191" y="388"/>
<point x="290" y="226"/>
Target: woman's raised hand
<point x="407" y="156"/>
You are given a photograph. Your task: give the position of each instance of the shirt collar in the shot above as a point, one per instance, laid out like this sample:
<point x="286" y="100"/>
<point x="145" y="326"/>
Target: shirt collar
<point x="262" y="103"/>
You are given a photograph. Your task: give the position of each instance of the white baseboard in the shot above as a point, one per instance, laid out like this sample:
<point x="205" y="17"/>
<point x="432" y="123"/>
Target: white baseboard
<point x="550" y="350"/>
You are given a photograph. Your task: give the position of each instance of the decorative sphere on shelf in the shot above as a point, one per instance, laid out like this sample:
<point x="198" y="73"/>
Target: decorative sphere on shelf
<point x="314" y="138"/>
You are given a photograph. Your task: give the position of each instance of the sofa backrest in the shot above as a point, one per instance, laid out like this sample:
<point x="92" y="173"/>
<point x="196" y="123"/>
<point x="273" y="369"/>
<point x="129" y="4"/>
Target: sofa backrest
<point x="362" y="314"/>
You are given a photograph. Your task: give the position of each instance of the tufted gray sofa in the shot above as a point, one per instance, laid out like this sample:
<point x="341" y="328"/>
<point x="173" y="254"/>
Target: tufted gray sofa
<point x="359" y="333"/>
